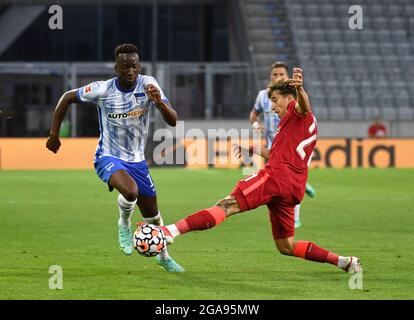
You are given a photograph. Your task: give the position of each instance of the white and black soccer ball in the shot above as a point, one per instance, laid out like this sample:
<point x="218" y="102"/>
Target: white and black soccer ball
<point x="149" y="240"/>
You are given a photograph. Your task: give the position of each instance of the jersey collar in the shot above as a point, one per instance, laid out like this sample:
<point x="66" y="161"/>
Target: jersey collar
<point x="125" y="90"/>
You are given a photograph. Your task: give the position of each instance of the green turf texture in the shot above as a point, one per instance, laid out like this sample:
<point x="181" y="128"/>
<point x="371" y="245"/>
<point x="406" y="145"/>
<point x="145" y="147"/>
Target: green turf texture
<point x="68" y="218"/>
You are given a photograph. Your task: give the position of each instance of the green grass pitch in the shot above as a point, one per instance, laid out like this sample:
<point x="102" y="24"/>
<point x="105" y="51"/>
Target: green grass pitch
<point x="68" y="218"/>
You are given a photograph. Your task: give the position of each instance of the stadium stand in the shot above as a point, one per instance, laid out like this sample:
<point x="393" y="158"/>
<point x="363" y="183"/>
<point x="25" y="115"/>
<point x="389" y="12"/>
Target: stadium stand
<point x="356" y="74"/>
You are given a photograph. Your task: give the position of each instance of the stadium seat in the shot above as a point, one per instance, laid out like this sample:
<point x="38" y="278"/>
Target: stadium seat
<point x="330" y="23"/>
<point x="367" y="35"/>
<point x="321" y="113"/>
<point x="389" y="113"/>
<point x="405" y="113"/>
<point x="386" y="48"/>
<point x="383" y="36"/>
<point x="317" y="35"/>
<point x="327" y="10"/>
<point x="320" y="48"/>
<point x="333" y="35"/>
<point x="337" y="47"/>
<point x="351" y="100"/>
<point x="338" y="113"/>
<point x="305" y="48"/>
<point x="314" y="23"/>
<point x="371" y="113"/>
<point x="302" y="35"/>
<point x="403" y="49"/>
<point x="398" y="36"/>
<point x="409" y="10"/>
<point x="355" y="113"/>
<point x="370" y="48"/>
<point x="398" y="23"/>
<point x="373" y="10"/>
<point x="311" y="10"/>
<point x="317" y="100"/>
<point x="378" y="23"/>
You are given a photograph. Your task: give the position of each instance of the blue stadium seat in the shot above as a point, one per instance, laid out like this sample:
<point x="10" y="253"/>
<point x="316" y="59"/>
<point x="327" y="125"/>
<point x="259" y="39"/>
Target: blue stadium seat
<point x="355" y="113"/>
<point x="405" y="113"/>
<point x="394" y="10"/>
<point x="389" y="113"/>
<point x="338" y="113"/>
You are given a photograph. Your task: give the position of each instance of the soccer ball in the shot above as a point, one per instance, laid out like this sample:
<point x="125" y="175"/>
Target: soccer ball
<point x="149" y="240"/>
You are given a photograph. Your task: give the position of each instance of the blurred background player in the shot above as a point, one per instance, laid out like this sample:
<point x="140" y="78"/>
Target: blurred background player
<point x="377" y="129"/>
<point x="123" y="103"/>
<point x="280" y="184"/>
<point x="279" y="70"/>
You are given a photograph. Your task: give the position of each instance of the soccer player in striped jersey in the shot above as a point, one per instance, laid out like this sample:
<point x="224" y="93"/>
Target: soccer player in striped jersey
<point x="280" y="185"/>
<point x="123" y="103"/>
<point x="279" y="70"/>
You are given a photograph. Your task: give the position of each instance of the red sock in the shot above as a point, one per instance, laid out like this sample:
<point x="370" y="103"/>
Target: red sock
<point x="310" y="251"/>
<point x="201" y="220"/>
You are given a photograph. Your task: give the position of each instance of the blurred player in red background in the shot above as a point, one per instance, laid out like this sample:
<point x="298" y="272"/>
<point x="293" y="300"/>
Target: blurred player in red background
<point x="377" y="129"/>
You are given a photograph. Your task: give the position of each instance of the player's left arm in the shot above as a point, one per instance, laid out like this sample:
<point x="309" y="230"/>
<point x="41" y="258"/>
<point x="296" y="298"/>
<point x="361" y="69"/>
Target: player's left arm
<point x="302" y="105"/>
<point x="167" y="112"/>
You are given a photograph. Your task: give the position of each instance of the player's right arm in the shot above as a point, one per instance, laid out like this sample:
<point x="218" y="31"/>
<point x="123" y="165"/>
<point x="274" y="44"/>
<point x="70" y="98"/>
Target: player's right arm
<point x="87" y="94"/>
<point x="303" y="105"/>
<point x="69" y="97"/>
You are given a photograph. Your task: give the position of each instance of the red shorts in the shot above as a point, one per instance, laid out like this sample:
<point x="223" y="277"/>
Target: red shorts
<point x="276" y="192"/>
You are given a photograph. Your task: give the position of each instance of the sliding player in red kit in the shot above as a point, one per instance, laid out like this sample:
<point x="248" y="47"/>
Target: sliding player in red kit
<point x="281" y="184"/>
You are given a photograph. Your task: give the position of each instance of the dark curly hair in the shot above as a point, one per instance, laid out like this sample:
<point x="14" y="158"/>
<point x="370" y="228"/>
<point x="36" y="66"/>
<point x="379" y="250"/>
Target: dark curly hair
<point x="282" y="87"/>
<point x="125" y="48"/>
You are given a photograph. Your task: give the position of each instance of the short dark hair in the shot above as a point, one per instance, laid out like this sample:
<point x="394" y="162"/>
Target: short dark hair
<point x="280" y="64"/>
<point x="125" y="48"/>
<point x="282" y="87"/>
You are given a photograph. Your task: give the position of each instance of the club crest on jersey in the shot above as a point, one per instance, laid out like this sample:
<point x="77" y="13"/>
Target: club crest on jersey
<point x="140" y="97"/>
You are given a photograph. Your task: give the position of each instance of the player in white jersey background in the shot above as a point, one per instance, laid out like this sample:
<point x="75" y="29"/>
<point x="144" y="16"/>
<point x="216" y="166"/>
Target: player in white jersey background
<point x="123" y="103"/>
<point x="278" y="71"/>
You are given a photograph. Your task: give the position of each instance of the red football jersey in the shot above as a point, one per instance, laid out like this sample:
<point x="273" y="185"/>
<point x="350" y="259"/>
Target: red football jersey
<point x="377" y="131"/>
<point x="293" y="146"/>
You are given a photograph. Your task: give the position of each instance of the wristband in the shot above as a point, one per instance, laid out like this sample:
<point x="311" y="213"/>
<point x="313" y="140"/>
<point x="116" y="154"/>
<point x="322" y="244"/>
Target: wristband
<point x="256" y="125"/>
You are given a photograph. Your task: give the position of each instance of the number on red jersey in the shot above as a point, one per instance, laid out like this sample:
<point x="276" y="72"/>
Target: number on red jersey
<point x="301" y="146"/>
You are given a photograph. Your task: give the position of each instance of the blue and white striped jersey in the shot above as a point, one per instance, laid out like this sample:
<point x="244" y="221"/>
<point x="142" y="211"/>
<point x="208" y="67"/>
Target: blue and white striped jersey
<point x="271" y="120"/>
<point x="123" y="117"/>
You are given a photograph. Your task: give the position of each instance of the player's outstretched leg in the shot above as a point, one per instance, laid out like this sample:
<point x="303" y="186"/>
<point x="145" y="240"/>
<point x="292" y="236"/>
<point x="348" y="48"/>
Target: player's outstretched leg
<point x="126" y="208"/>
<point x="297" y="216"/>
<point x="311" y="251"/>
<point x="201" y="220"/>
<point x="310" y="191"/>
<point x="164" y="259"/>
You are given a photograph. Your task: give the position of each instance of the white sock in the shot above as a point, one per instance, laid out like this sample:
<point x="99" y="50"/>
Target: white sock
<point x="172" y="228"/>
<point x="343" y="262"/>
<point x="297" y="212"/>
<point x="157" y="220"/>
<point x="126" y="209"/>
